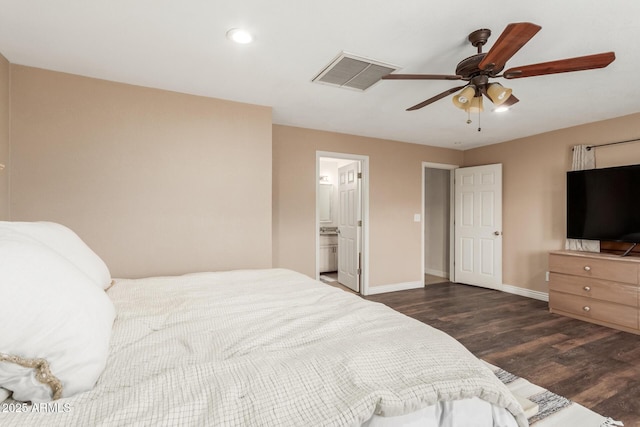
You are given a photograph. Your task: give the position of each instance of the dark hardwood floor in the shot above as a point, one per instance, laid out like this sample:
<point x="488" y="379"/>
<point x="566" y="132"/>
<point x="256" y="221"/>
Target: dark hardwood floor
<point x="595" y="366"/>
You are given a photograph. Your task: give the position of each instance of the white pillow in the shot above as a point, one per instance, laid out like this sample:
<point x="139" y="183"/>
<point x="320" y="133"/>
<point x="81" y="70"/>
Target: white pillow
<point x="68" y="244"/>
<point x="4" y="394"/>
<point x="51" y="318"/>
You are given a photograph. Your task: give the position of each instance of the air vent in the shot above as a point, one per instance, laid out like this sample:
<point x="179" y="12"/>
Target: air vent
<point x="353" y="72"/>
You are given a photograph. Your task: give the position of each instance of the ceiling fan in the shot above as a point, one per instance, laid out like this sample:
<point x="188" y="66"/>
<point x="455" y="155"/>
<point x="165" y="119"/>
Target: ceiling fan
<point x="476" y="70"/>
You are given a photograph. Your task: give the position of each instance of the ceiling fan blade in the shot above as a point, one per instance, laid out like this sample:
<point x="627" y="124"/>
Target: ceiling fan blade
<point x="435" y="98"/>
<point x="510" y="101"/>
<point x="510" y="41"/>
<point x="588" y="62"/>
<point x="421" y="77"/>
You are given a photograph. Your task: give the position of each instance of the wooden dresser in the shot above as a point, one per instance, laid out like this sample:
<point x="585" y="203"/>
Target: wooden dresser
<point x="596" y="287"/>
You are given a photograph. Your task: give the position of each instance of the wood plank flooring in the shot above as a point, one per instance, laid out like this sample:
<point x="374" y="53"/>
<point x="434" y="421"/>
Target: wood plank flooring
<point x="595" y="366"/>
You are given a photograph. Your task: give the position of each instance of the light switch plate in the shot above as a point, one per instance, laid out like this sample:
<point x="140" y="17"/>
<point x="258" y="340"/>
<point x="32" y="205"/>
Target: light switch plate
<point x="416" y="217"/>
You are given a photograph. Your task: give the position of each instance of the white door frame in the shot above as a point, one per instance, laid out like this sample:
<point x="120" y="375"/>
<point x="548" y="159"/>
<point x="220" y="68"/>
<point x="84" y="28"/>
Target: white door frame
<point x="451" y="168"/>
<point x="364" y="183"/>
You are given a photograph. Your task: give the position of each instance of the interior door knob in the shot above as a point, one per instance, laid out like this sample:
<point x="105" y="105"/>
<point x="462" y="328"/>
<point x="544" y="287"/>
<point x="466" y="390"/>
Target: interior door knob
<point x="497" y="233"/>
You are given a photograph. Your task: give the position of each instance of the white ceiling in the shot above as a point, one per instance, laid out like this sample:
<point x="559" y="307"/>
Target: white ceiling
<point x="181" y="46"/>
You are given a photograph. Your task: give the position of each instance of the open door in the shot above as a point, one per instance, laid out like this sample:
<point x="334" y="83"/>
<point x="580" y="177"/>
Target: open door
<point x="349" y="226"/>
<point x="478" y="226"/>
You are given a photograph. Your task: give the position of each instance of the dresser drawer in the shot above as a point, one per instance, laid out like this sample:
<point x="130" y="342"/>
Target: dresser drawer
<point x="584" y="266"/>
<point x="594" y="288"/>
<point x="594" y="309"/>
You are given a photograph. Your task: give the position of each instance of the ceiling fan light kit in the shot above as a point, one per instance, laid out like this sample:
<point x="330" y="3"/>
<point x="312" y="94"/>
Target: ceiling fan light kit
<point x="498" y="93"/>
<point x="479" y="68"/>
<point x="463" y="99"/>
<point x="475" y="106"/>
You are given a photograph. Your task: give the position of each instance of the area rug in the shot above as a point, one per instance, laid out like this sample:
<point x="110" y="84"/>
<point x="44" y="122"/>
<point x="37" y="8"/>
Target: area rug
<point x="546" y="409"/>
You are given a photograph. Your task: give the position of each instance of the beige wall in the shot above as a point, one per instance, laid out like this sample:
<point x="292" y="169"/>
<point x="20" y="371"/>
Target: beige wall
<point x="395" y="196"/>
<point x="4" y="137"/>
<point x="534" y="189"/>
<point x="164" y="183"/>
<point x="156" y="182"/>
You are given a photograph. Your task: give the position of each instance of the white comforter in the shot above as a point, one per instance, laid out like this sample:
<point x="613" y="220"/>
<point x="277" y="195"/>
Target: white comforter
<point x="267" y="348"/>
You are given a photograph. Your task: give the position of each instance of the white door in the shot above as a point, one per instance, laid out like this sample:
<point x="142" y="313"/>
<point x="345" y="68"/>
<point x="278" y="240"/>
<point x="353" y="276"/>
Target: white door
<point x="478" y="226"/>
<point x="348" y="229"/>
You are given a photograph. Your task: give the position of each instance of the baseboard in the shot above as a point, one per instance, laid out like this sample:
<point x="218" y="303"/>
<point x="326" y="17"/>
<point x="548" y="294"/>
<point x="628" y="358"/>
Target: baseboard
<point x="394" y="287"/>
<point x="510" y="289"/>
<point x="435" y="272"/>
<point x="542" y="296"/>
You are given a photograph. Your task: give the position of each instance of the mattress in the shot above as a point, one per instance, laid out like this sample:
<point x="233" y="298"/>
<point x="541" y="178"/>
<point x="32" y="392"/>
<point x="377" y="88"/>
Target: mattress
<point x="274" y="347"/>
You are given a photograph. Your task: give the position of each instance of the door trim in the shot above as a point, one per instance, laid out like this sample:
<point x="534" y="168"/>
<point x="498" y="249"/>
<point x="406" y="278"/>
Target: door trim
<point x="451" y="168"/>
<point x="364" y="185"/>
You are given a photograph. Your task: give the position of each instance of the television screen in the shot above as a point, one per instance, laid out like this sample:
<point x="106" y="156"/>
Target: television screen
<point x="604" y="204"/>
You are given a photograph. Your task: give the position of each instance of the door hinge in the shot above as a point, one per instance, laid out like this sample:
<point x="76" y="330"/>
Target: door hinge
<point x="359" y="271"/>
<point x="360" y="175"/>
<point x="359" y="223"/>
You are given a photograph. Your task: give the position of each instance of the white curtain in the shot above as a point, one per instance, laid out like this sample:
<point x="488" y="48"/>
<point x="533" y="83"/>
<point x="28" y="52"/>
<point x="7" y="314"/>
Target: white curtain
<point x="583" y="158"/>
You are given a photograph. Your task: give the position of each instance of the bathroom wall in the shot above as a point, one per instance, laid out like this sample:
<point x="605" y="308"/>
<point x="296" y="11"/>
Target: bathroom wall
<point x="329" y="168"/>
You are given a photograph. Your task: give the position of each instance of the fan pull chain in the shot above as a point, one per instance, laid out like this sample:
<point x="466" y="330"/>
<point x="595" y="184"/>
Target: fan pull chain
<point x="469" y="119"/>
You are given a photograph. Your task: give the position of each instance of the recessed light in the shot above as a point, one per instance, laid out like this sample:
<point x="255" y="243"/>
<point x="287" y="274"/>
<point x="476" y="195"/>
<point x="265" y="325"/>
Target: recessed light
<point x="239" y="36"/>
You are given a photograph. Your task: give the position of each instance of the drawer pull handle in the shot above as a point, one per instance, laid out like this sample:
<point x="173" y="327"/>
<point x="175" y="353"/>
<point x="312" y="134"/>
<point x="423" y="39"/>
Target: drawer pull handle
<point x="587" y="288"/>
<point x="587" y="268"/>
<point x="586" y="308"/>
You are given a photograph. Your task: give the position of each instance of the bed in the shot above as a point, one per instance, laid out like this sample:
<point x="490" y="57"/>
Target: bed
<point x="265" y="348"/>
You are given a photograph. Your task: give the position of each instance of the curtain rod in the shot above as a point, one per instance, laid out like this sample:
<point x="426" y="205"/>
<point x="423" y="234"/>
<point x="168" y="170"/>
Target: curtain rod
<point x="589" y="147"/>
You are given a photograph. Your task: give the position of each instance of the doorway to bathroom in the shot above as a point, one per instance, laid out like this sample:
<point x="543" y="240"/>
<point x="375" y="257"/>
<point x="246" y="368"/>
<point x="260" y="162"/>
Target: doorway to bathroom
<point x="342" y="220"/>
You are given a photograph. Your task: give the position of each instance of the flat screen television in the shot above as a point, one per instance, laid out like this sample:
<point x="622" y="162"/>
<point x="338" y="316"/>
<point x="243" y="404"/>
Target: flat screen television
<point x="604" y="204"/>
